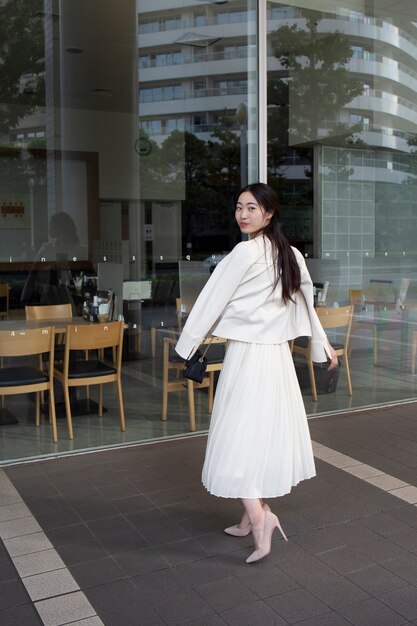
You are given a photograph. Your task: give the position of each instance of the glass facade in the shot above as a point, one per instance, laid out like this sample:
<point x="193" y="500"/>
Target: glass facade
<point x="126" y="132"/>
<point x="341" y="153"/>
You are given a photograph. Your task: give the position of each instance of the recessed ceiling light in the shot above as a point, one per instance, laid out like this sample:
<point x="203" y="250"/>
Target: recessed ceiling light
<point x="74" y="50"/>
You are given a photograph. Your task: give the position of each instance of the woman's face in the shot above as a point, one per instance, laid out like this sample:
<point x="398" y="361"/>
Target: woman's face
<point x="250" y="215"/>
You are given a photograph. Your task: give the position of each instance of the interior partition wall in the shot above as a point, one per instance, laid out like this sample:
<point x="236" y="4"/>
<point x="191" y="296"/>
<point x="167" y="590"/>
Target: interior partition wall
<point x="126" y="132"/>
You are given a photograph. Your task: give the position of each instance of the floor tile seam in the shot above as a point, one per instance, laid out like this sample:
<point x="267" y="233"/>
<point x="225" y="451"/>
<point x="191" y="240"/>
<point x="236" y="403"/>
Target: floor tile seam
<point x="346" y="573"/>
<point x="10" y="487"/>
<point x="376" y="478"/>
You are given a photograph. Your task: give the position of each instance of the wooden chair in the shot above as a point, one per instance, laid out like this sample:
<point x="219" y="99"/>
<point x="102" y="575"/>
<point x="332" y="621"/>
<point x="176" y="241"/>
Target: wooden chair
<point x="4" y="297"/>
<point x="356" y="297"/>
<point x="26" y="379"/>
<point x="413" y="351"/>
<point x="49" y="312"/>
<point x="79" y="373"/>
<point x="330" y="318"/>
<point x="375" y="326"/>
<point x="171" y="361"/>
<point x="339" y="318"/>
<point x="45" y="312"/>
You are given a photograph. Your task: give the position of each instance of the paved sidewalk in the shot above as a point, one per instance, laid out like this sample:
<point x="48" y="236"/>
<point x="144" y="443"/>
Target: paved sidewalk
<point x="130" y="537"/>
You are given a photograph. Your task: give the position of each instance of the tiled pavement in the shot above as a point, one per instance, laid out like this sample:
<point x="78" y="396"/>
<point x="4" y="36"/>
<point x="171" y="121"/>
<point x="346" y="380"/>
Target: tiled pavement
<point x="130" y="537"/>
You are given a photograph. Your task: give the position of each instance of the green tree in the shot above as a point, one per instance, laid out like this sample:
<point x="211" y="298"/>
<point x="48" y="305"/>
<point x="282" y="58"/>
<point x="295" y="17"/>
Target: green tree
<point x="22" y="60"/>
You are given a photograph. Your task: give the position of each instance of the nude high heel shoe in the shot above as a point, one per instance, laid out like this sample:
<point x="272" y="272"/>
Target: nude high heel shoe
<point x="270" y="523"/>
<point x="244" y="528"/>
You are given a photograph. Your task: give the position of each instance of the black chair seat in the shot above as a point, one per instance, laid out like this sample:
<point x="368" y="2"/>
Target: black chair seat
<point x="175" y="358"/>
<point x="84" y="369"/>
<point x="59" y="353"/>
<point x="215" y="353"/>
<point x="301" y="342"/>
<point x="24" y="375"/>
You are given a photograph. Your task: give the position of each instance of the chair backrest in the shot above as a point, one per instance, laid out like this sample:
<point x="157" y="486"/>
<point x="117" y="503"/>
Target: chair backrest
<point x="94" y="336"/>
<point x="49" y="312"/>
<point x="355" y="296"/>
<point x="380" y="292"/>
<point x="214" y="340"/>
<point x="27" y="342"/>
<point x="337" y="317"/>
<point x="4" y="295"/>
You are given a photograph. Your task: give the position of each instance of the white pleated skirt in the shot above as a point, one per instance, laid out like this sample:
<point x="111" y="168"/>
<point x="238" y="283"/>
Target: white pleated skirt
<point x="259" y="442"/>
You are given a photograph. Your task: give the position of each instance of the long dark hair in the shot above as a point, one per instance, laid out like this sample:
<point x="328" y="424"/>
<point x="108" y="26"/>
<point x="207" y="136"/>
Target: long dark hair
<point x="63" y="227"/>
<point x="286" y="267"/>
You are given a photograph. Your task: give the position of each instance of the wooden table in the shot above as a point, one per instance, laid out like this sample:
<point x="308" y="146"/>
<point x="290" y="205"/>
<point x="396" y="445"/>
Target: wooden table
<point x="384" y="318"/>
<point x="60" y="325"/>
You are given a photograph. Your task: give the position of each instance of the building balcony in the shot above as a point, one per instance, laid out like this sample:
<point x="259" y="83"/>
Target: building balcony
<point x="214" y="100"/>
<point x="212" y="66"/>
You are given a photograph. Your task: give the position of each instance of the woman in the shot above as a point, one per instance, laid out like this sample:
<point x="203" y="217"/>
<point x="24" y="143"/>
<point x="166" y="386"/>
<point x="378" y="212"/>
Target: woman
<point x="259" y="297"/>
<point x="48" y="284"/>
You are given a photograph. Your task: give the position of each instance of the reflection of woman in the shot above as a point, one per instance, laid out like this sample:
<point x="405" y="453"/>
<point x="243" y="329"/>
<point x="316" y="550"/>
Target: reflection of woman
<point x="64" y="243"/>
<point x="49" y="285"/>
<point x="259" y="297"/>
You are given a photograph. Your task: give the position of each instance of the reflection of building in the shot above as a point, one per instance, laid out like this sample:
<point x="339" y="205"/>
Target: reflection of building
<point x="193" y="64"/>
<point x="384" y="58"/>
<point x="193" y="70"/>
<point x="360" y="180"/>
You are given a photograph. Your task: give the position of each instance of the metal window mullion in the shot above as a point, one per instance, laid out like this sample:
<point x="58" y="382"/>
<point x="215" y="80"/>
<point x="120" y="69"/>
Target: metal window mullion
<point x="262" y="90"/>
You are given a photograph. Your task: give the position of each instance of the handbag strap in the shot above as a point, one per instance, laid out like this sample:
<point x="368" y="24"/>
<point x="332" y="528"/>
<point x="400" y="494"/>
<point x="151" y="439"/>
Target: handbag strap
<point x="208" y="346"/>
<point x="205" y="351"/>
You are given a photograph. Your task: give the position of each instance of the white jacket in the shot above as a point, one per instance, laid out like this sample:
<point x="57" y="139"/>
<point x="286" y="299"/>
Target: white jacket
<point x="238" y="302"/>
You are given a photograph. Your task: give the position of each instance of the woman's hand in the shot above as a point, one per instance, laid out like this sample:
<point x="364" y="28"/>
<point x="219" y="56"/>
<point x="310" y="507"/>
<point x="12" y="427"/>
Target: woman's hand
<point x="334" y="361"/>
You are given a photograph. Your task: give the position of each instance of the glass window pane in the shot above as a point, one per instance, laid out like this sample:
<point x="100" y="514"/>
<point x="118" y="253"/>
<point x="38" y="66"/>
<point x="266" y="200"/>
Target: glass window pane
<point x="120" y="161"/>
<point x="341" y="153"/>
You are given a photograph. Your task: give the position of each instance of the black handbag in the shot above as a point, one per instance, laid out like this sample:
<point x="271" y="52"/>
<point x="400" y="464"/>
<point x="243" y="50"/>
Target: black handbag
<point x="195" y="367"/>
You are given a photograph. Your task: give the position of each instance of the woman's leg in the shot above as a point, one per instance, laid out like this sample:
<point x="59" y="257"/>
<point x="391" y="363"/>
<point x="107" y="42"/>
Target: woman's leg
<point x="256" y="515"/>
<point x="263" y="524"/>
<point x="244" y="527"/>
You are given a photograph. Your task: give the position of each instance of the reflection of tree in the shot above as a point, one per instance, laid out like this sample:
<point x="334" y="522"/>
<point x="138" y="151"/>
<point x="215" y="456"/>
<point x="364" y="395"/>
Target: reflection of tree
<point x="411" y="166"/>
<point x="340" y="169"/>
<point x="205" y="176"/>
<point x="224" y="160"/>
<point x="317" y="82"/>
<point x="22" y="60"/>
<point x="309" y="91"/>
<point x="18" y="167"/>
